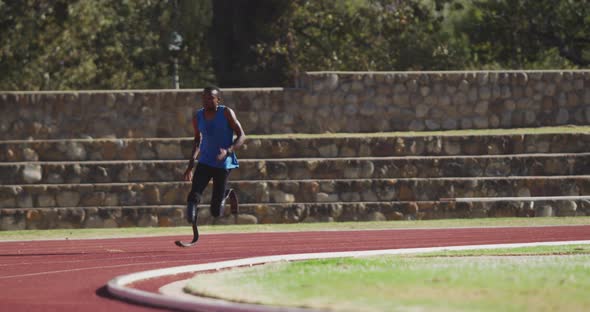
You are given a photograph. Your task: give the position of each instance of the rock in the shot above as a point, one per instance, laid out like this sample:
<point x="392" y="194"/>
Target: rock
<point x="432" y="124"/>
<point x="281" y="197"/>
<point x="480" y="122"/>
<point x="331" y="82"/>
<point x="530" y="118"/>
<point x="147" y="220"/>
<point x="466" y="123"/>
<point x="32" y="173"/>
<point x="562" y="117"/>
<point x="12" y="220"/>
<point x="369" y="196"/>
<point x="168" y="151"/>
<point x="68" y="199"/>
<point x="494" y="121"/>
<point x="402" y="100"/>
<point x="54" y="178"/>
<point x="324" y="197"/>
<point x="444" y="101"/>
<point x="46" y="200"/>
<point x="368" y="109"/>
<point x="405" y="193"/>
<point x="460" y="99"/>
<point x="328" y="150"/>
<point x="572" y="99"/>
<point x="75" y="151"/>
<point x="421" y="110"/>
<point x="411" y="208"/>
<point x="418" y="125"/>
<point x="544" y="211"/>
<point x="350" y="197"/>
<point x="566" y="208"/>
<point x="247" y="219"/>
<point x="452" y="148"/>
<point x="110" y="223"/>
<point x="412" y="86"/>
<point x="24" y="201"/>
<point x="328" y="186"/>
<point x="33" y="217"/>
<point x="30" y="155"/>
<point x="357" y="86"/>
<point x="485" y="93"/>
<point x="424" y="91"/>
<point x="93" y="221"/>
<point x="449" y="124"/>
<point x="482" y="107"/>
<point x="311" y="219"/>
<point x="396" y="215"/>
<point x="376" y="216"/>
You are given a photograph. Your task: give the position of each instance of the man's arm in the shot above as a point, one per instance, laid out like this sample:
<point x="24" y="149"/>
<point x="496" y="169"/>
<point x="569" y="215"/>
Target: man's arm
<point x="240" y="135"/>
<point x="188" y="173"/>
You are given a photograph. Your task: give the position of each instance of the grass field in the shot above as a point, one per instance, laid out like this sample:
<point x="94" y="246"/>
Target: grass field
<point x="147" y="231"/>
<point x="549" y="278"/>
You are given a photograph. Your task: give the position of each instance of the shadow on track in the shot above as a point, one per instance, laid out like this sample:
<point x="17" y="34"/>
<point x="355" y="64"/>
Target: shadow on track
<point x="103" y="292"/>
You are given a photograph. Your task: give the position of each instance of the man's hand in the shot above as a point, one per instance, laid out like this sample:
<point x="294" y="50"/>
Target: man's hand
<point x="223" y="153"/>
<point x="188" y="174"/>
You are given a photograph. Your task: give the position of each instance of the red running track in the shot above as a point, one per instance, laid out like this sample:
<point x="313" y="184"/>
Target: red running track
<point x="69" y="275"/>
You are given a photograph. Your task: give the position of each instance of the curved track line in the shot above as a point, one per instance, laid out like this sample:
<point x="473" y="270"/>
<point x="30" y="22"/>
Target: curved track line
<point x="169" y="299"/>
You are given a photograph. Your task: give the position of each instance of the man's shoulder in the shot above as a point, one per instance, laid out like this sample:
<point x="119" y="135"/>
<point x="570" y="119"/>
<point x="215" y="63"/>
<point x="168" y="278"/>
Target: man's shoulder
<point x="226" y="109"/>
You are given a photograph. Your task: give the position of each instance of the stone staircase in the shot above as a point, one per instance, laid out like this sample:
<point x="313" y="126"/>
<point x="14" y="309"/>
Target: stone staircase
<point x="344" y="177"/>
<point x="323" y="151"/>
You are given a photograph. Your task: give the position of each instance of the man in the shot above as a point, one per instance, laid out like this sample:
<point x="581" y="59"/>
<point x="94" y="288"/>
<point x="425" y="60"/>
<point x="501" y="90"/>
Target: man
<point x="213" y="146"/>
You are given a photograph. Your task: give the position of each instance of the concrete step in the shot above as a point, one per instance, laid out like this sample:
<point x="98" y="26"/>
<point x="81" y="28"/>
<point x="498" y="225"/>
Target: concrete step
<point x="308" y="168"/>
<point x="328" y="145"/>
<point x="290" y="191"/>
<point x="174" y="215"/>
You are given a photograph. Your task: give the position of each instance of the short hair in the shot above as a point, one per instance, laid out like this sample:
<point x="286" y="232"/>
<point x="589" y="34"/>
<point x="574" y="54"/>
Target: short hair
<point x="212" y="90"/>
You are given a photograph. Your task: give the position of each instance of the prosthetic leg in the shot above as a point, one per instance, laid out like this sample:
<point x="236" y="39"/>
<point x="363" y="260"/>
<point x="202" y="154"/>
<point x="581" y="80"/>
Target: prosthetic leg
<point x="230" y="195"/>
<point x="191" y="216"/>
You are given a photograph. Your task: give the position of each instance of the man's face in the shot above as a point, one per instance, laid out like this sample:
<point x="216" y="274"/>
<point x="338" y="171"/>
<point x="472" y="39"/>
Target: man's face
<point x="210" y="99"/>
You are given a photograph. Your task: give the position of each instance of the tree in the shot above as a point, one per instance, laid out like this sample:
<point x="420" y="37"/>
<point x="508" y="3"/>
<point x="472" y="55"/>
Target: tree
<point x="356" y="35"/>
<point x="529" y="33"/>
<point x="49" y="45"/>
<point x="237" y="25"/>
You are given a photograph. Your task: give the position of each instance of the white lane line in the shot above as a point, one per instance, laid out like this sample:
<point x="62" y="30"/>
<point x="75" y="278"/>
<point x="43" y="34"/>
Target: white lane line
<point x="117" y="286"/>
<point x="88" y="268"/>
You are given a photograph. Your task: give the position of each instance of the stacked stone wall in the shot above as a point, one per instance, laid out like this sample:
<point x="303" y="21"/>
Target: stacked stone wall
<point x="418" y="101"/>
<point x="324" y="102"/>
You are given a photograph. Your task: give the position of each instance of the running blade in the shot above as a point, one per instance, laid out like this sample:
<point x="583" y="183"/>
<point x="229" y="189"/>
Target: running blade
<point x="185" y="244"/>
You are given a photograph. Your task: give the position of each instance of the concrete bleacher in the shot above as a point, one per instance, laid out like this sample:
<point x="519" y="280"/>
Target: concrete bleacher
<point x="104" y="176"/>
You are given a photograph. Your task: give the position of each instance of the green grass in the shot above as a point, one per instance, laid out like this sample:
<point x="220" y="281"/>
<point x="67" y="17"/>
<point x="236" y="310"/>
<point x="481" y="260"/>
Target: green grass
<point x="147" y="231"/>
<point x="520" y="251"/>
<point x="466" y="132"/>
<point x="399" y="283"/>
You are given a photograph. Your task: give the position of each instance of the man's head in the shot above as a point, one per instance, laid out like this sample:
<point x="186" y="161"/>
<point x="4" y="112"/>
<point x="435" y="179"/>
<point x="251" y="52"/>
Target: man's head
<point x="211" y="97"/>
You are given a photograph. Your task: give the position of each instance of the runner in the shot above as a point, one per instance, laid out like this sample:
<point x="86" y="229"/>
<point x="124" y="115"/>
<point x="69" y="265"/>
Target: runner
<point x="213" y="147"/>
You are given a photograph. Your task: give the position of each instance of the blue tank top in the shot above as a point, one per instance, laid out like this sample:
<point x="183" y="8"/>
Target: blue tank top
<point x="215" y="134"/>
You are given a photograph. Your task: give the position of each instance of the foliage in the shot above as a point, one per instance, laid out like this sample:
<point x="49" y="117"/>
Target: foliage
<point x="97" y="44"/>
<point x="528" y="33"/>
<point x="77" y="44"/>
<point x="360" y="36"/>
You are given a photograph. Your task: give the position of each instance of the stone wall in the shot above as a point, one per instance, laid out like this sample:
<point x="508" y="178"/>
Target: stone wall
<point x="323" y="102"/>
<point x="448" y="100"/>
<point x="109" y="217"/>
